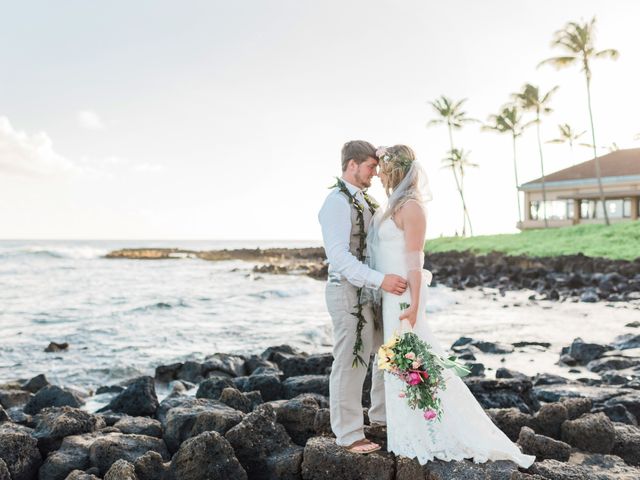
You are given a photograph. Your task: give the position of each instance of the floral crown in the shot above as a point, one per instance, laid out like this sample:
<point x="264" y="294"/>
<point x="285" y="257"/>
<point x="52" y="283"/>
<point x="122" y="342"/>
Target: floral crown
<point x="387" y="157"/>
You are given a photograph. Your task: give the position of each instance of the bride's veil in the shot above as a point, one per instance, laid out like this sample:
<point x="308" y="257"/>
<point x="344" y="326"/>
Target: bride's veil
<point x="414" y="186"/>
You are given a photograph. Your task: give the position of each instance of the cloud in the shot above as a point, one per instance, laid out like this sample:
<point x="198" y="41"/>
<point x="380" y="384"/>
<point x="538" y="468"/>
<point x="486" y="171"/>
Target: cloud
<point x="148" y="167"/>
<point x="90" y="120"/>
<point x="33" y="155"/>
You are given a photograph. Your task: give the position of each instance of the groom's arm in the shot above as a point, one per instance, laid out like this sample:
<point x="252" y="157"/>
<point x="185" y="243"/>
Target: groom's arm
<point x="335" y="220"/>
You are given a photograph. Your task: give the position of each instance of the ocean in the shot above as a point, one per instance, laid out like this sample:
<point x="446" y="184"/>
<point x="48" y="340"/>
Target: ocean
<point x="122" y="317"/>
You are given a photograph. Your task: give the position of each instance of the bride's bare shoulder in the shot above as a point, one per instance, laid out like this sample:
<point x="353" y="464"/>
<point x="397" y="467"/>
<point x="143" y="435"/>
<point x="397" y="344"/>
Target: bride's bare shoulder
<point x="411" y="212"/>
<point x="412" y="209"/>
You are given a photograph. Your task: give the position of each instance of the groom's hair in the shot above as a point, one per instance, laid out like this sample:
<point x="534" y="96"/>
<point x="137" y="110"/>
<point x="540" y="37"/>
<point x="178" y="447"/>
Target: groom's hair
<point x="358" y="151"/>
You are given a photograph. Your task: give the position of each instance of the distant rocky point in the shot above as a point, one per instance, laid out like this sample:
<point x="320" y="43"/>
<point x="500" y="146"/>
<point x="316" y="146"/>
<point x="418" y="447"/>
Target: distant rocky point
<point x="563" y="277"/>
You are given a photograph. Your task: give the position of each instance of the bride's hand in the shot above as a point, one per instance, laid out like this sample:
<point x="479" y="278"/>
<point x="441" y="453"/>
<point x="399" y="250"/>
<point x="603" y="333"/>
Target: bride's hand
<point x="410" y="315"/>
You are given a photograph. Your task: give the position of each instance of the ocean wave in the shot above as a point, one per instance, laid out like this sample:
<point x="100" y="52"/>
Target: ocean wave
<point x="159" y="306"/>
<point x="267" y="294"/>
<point x="80" y="252"/>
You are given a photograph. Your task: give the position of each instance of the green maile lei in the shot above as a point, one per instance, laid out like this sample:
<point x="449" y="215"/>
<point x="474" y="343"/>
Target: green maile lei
<point x="362" y="242"/>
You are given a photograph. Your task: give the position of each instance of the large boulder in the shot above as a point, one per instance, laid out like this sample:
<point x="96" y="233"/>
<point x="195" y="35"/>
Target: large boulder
<point x="200" y="416"/>
<point x="583" y="352"/>
<point x="586" y="467"/>
<point x="190" y="371"/>
<point x="467" y="470"/>
<point x="56" y="423"/>
<point x="138" y="399"/>
<point x="52" y="396"/>
<point x="267" y="384"/>
<point x="151" y="466"/>
<point x="592" y="432"/>
<point x="492" y="347"/>
<point x="10" y="398"/>
<point x="212" y="387"/>
<point x="577" y="406"/>
<point x="263" y="447"/>
<point x="295" y="386"/>
<point x="207" y="456"/>
<point x="627" y="443"/>
<point x="80" y="475"/>
<point x="298" y="416"/>
<point x="4" y="471"/>
<point x="36" y="383"/>
<point x="627" y="341"/>
<point x="73" y="454"/>
<point x="543" y="447"/>
<point x="319" y="364"/>
<point x="121" y="470"/>
<point x="167" y="373"/>
<point x="279" y="353"/>
<point x="115" y="446"/>
<point x="236" y="399"/>
<point x="139" y="425"/>
<point x="20" y="453"/>
<point x="510" y="420"/>
<point x="503" y="393"/>
<point x="612" y="363"/>
<point x="630" y="400"/>
<point x="223" y="364"/>
<point x="324" y="460"/>
<point x="549" y="418"/>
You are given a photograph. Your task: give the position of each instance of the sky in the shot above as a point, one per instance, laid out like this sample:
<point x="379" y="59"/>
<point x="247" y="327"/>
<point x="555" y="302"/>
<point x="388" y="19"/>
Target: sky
<point x="224" y="120"/>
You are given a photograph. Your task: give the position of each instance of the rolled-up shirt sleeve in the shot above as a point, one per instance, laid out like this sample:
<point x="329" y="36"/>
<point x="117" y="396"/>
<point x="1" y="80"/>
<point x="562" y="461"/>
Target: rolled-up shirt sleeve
<point x="335" y="221"/>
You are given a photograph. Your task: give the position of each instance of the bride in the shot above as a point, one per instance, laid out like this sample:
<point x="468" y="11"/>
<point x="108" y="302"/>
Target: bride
<point x="396" y="246"/>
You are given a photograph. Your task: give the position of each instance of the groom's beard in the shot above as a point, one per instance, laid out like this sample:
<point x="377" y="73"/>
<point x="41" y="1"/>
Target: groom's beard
<point x="363" y="182"/>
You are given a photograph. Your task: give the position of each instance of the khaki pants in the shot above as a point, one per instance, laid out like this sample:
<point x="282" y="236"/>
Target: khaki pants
<point x="345" y="387"/>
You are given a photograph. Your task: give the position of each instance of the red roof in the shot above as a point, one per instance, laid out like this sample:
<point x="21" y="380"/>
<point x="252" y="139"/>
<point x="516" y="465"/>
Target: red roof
<point x="615" y="164"/>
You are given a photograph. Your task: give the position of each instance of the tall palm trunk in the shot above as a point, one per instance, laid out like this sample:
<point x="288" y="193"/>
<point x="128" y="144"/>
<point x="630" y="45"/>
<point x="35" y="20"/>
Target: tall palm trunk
<point x="544" y="186"/>
<point x="515" y="171"/>
<point x="465" y="213"/>
<point x="595" y="154"/>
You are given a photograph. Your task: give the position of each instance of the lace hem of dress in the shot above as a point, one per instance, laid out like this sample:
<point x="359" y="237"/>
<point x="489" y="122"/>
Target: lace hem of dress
<point x="475" y="457"/>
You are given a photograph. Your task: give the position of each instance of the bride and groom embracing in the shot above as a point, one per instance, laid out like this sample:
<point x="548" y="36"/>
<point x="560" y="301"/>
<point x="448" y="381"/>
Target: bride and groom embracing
<point x="377" y="253"/>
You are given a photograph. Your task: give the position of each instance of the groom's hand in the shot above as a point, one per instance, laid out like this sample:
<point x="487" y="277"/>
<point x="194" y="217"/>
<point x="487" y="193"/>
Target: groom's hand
<point x="394" y="284"/>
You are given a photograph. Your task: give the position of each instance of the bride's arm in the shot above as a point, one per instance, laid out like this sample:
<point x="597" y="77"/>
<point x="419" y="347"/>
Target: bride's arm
<point x="412" y="219"/>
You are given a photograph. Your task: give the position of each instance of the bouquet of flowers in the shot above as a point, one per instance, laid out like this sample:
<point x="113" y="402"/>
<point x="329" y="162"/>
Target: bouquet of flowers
<point x="411" y="359"/>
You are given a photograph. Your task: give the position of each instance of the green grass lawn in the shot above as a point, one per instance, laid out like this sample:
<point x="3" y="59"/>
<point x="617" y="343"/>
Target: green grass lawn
<point x="619" y="241"/>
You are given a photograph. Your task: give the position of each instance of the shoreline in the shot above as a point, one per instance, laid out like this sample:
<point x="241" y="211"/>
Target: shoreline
<point x="559" y="278"/>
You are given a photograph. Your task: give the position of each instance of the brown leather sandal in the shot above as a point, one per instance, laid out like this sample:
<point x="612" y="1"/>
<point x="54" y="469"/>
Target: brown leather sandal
<point x="357" y="447"/>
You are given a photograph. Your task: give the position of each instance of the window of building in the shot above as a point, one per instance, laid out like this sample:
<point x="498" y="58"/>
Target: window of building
<point x="616" y="208"/>
<point x="555" y="209"/>
<point x="626" y="208"/>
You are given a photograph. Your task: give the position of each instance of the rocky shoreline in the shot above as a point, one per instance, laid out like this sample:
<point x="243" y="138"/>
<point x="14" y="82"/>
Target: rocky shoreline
<point x="561" y="278"/>
<point x="266" y="417"/>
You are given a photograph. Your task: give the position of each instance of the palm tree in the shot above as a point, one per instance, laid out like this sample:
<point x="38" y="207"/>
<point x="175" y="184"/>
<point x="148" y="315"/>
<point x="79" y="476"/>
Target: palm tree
<point x="509" y="120"/>
<point x="567" y="135"/>
<point x="457" y="161"/>
<point x="531" y="100"/>
<point x="451" y="114"/>
<point x="577" y="42"/>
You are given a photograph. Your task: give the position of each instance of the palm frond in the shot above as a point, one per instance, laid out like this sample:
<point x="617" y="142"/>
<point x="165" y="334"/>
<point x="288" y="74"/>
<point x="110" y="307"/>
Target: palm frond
<point x="558" y="62"/>
<point x="610" y="53"/>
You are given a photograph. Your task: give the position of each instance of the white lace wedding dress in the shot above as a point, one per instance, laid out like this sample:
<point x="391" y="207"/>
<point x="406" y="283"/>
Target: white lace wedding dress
<point x="465" y="430"/>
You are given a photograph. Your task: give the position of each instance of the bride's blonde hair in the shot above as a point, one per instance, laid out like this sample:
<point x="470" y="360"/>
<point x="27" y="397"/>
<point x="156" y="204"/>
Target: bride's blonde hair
<point x="395" y="163"/>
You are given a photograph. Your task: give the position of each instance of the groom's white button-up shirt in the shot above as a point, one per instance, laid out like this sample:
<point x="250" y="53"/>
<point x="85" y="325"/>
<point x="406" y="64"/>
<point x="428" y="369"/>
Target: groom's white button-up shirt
<point x="335" y="220"/>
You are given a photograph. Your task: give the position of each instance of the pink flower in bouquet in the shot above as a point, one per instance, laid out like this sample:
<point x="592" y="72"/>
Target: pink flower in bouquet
<point x="410" y="356"/>
<point x="425" y="374"/>
<point x="402" y="395"/>
<point x="414" y="378"/>
<point x="429" y="415"/>
<point x="415" y="365"/>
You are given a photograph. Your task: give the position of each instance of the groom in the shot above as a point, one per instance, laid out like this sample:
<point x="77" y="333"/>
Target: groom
<point x="342" y="233"/>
